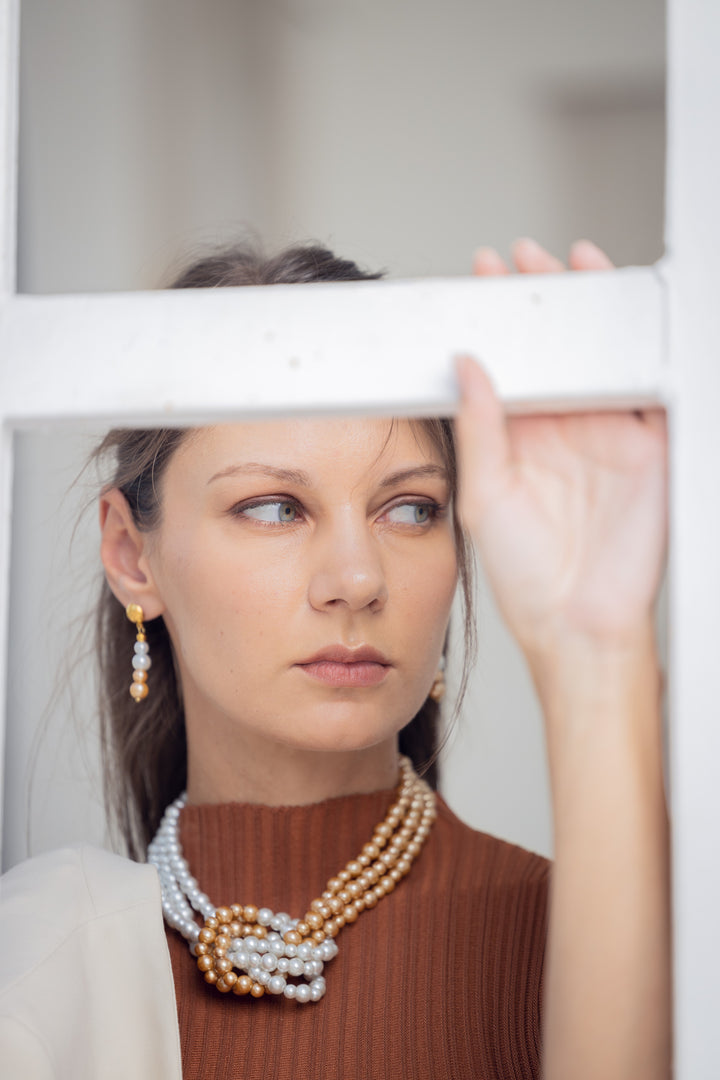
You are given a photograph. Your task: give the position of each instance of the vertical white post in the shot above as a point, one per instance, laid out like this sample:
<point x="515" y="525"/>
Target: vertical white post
<point x="693" y="240"/>
<point x="9" y="66"/>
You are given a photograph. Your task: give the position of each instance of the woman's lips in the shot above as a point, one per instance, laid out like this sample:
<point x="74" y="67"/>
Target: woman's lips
<point x="360" y="673"/>
<point x="339" y="666"/>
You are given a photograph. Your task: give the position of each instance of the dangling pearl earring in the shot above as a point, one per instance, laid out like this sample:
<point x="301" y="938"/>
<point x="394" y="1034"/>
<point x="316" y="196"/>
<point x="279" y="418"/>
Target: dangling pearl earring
<point x="437" y="690"/>
<point x="141" y="660"/>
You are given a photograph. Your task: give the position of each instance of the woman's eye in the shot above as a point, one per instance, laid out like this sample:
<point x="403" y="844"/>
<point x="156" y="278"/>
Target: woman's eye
<point x="412" y="513"/>
<point x="279" y="512"/>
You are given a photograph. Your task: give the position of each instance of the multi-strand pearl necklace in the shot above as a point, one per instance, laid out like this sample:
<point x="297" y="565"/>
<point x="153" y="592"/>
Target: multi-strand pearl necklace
<point x="254" y="951"/>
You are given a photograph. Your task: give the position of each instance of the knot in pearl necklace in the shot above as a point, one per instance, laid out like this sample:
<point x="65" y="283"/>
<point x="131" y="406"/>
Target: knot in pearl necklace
<point x="254" y="951"/>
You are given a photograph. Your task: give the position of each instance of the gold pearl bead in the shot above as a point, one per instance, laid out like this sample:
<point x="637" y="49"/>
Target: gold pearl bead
<point x="257" y="990"/>
<point x="206" y="935"/>
<point x="243" y="985"/>
<point x="314" y="919"/>
<point x="222" y="986"/>
<point x="138" y="691"/>
<point x="205" y="963"/>
<point x="222" y="942"/>
<point x="211" y="977"/>
<point x="222" y="964"/>
<point x="302" y="928"/>
<point x="292" y="937"/>
<point x="250" y="914"/>
<point x="139" y="676"/>
<point x="223" y="915"/>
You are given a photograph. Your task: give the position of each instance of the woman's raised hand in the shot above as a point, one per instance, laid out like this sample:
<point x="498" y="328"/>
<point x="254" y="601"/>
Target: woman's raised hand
<point x="568" y="512"/>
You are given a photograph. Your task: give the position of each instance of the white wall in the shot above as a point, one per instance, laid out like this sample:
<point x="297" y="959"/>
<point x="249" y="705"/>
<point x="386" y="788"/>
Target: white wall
<point x="402" y="134"/>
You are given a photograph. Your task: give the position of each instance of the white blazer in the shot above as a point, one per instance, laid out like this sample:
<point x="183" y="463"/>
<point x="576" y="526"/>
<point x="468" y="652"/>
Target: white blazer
<point x="86" y="985"/>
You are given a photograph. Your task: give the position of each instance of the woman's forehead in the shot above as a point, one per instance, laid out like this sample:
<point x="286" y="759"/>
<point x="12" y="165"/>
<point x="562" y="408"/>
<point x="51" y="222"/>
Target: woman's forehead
<point x="311" y="445"/>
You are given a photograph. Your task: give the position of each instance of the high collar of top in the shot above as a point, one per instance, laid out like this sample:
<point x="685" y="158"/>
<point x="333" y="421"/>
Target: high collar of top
<point x="276" y="856"/>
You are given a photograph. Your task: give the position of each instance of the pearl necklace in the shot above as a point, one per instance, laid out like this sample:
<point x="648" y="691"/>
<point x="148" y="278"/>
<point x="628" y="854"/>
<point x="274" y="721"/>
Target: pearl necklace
<point x="255" y="951"/>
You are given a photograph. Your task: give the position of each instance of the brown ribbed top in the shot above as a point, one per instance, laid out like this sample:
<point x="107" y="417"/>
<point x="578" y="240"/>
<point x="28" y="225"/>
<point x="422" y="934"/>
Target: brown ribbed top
<point x="441" y="979"/>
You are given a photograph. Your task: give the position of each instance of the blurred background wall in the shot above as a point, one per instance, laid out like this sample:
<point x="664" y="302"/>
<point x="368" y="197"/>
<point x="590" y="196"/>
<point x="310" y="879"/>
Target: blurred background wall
<point x="402" y="134"/>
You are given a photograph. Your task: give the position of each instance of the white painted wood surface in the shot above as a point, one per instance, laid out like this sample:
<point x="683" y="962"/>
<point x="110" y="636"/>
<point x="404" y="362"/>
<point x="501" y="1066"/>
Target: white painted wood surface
<point x="693" y="239"/>
<point x="9" y="64"/>
<point x="551" y="342"/>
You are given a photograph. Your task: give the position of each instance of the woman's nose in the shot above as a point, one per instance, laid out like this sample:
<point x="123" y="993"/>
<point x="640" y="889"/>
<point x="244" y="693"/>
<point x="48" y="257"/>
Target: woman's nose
<point x="348" y="570"/>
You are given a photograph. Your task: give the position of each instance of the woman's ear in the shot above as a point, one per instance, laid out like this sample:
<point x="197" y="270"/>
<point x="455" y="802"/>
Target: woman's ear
<point x="123" y="550"/>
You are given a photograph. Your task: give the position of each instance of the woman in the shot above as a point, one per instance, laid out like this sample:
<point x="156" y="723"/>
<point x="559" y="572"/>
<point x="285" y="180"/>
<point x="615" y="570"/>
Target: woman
<point x="296" y="579"/>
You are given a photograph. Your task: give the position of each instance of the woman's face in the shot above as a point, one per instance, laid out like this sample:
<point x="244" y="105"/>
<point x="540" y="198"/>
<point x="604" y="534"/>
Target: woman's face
<point x="305" y="570"/>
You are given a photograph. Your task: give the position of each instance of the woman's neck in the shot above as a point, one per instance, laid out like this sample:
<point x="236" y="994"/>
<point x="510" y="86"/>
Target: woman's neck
<point x="275" y="774"/>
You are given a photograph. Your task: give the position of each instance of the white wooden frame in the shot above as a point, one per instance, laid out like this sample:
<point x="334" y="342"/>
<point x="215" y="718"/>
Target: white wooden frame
<point x="633" y="338"/>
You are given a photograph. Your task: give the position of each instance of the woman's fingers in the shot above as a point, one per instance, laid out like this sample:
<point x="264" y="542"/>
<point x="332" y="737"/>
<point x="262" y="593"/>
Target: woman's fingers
<point x="483" y="444"/>
<point x="530" y="258"/>
<point x="487" y="263"/>
<point x="584" y="255"/>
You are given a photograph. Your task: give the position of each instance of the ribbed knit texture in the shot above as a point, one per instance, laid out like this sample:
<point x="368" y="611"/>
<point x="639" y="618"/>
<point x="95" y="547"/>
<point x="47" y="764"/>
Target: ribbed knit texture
<point x="441" y="979"/>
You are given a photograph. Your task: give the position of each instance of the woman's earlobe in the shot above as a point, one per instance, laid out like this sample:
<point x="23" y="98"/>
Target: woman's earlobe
<point x="123" y="555"/>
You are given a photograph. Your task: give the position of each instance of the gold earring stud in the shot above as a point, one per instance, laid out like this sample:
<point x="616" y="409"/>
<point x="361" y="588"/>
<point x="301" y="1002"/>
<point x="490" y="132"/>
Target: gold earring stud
<point x="437" y="690"/>
<point x="141" y="660"/>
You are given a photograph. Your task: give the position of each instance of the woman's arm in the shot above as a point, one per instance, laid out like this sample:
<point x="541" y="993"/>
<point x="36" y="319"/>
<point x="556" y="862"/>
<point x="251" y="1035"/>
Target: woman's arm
<point x="607" y="975"/>
<point x="569" y="514"/>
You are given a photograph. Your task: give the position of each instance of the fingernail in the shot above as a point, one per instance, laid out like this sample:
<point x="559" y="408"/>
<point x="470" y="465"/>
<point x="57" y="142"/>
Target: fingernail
<point x="467" y="370"/>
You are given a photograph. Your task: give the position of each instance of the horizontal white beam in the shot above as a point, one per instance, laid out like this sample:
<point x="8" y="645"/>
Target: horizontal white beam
<point x="553" y="342"/>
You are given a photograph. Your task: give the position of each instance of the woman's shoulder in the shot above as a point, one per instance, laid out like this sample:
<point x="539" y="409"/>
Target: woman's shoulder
<point x="489" y="857"/>
<point x="59" y="892"/>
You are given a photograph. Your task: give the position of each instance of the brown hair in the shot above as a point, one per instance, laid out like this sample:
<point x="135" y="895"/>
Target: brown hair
<point x="144" y="747"/>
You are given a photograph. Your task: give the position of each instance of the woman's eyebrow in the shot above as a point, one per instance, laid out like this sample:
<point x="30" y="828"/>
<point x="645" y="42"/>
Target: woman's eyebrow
<point x="415" y="472"/>
<point x="290" y="476"/>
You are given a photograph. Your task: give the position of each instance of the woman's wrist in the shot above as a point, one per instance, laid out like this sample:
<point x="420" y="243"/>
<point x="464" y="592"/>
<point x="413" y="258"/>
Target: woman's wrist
<point x="591" y="669"/>
<point x="591" y="691"/>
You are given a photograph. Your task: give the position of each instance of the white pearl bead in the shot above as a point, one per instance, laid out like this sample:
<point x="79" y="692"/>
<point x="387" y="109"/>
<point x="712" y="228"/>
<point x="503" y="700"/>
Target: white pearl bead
<point x="141" y="663"/>
<point x="304" y="950"/>
<point x="297" y="966"/>
<point x="277" y="984"/>
<point x="303" y="992"/>
<point x="290" y="990"/>
<point x="265" y="916"/>
<point x="290" y="951"/>
<point x="269" y="961"/>
<point x="283" y="964"/>
<point x="142" y="647"/>
<point x="251" y="943"/>
<point x="255" y="973"/>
